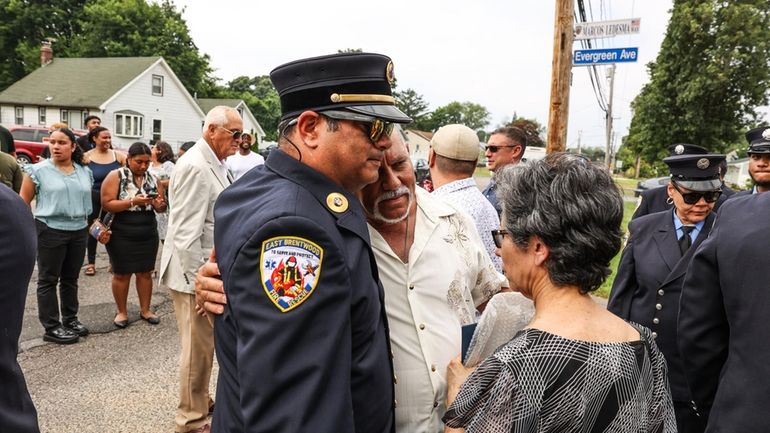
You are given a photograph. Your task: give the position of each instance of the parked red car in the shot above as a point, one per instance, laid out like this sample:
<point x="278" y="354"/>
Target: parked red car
<point x="30" y="142"/>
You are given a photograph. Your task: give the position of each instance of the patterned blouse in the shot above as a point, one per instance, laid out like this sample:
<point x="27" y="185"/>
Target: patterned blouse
<point x="127" y="189"/>
<point x="541" y="382"/>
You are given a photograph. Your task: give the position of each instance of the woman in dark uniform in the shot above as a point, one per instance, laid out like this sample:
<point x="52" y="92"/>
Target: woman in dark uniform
<point x="648" y="284"/>
<point x="132" y="193"/>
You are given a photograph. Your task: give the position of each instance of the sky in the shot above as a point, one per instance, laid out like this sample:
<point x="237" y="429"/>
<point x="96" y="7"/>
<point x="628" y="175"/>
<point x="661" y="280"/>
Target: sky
<point x="491" y="52"/>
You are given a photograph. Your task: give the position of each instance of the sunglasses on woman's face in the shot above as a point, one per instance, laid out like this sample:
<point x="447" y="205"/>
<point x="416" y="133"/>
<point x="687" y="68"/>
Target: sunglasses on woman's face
<point x="497" y="236"/>
<point x="694" y="197"/>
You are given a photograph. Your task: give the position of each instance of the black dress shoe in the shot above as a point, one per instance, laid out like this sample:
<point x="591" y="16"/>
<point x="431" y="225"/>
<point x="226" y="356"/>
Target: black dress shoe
<point x="76" y="327"/>
<point x="61" y="335"/>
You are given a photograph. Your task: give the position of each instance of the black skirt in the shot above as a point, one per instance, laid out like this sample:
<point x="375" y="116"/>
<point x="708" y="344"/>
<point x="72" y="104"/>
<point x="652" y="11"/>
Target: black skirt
<point x="134" y="242"/>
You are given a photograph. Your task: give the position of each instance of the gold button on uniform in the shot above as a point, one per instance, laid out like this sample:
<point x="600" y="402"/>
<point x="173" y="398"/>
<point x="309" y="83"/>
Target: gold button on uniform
<point x="658" y="307"/>
<point x="655" y="320"/>
<point x="661" y="292"/>
<point x="337" y="202"/>
<point x="654" y="335"/>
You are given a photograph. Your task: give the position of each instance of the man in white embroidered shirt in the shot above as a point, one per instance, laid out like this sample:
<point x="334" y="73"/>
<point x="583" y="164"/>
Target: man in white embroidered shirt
<point x="454" y="152"/>
<point x="436" y="274"/>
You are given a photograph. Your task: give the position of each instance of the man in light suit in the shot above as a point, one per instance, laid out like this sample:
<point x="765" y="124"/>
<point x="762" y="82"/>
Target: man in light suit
<point x="198" y="178"/>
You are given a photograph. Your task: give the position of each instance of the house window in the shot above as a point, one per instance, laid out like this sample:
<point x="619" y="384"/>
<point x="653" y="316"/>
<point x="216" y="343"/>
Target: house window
<point x="157" y="85"/>
<point x="128" y="124"/>
<point x="157" y="129"/>
<point x="41" y="115"/>
<point x="19" y="115"/>
<point x="65" y="116"/>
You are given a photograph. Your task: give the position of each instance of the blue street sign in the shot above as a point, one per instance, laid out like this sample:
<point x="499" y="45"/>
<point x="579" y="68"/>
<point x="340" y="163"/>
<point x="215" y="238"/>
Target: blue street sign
<point x="605" y="56"/>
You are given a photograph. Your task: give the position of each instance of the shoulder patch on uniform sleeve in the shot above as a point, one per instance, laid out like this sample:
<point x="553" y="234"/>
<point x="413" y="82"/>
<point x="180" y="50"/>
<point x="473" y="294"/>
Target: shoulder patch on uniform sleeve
<point x="290" y="269"/>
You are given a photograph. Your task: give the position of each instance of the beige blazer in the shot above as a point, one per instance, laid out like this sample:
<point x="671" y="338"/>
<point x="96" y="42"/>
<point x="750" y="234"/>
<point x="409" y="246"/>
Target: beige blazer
<point x="195" y="184"/>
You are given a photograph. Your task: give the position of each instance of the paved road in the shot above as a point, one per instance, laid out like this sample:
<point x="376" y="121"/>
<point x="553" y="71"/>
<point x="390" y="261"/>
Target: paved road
<point x="113" y="381"/>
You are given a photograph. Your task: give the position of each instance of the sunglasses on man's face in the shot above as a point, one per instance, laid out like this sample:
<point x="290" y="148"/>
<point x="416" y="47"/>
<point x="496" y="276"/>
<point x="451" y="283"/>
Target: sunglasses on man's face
<point x="236" y="134"/>
<point x="377" y="128"/>
<point x="374" y="127"/>
<point x="494" y="149"/>
<point x="497" y="236"/>
<point x="694" y="197"/>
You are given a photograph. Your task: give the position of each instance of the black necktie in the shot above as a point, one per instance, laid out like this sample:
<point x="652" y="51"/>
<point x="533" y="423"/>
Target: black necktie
<point x="685" y="241"/>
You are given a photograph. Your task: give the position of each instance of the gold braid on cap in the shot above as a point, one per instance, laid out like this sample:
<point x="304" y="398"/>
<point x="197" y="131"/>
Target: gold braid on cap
<point x="336" y="97"/>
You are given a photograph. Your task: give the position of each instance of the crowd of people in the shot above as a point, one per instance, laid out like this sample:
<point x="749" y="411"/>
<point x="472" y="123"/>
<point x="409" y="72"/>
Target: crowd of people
<point x="334" y="291"/>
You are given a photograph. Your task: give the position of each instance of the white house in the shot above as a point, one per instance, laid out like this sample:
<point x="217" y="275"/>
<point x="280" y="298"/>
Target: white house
<point x="250" y="123"/>
<point x="419" y="143"/>
<point x="137" y="98"/>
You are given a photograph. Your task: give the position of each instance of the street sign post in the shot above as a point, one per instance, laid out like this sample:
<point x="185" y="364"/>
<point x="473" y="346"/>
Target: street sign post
<point x="605" y="56"/>
<point x="607" y="29"/>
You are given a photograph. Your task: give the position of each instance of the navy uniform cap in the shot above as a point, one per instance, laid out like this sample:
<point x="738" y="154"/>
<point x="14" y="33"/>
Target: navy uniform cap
<point x="759" y="140"/>
<point x="357" y="82"/>
<point x="696" y="172"/>
<point x="686" y="149"/>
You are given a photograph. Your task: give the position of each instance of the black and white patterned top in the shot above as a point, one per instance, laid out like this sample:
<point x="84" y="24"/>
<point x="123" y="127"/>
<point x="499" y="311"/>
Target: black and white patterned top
<point x="541" y="382"/>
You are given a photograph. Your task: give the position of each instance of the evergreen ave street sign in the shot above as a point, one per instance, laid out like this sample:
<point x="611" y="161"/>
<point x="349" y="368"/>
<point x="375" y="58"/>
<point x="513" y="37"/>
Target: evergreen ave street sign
<point x="605" y="56"/>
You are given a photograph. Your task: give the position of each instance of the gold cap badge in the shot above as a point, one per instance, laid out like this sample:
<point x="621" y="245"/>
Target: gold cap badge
<point x="703" y="163"/>
<point x="337" y="202"/>
<point x="389" y="73"/>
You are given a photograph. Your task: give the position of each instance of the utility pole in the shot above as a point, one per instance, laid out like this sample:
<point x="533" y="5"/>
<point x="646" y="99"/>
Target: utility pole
<point x="580" y="134"/>
<point x="608" y="151"/>
<point x="561" y="76"/>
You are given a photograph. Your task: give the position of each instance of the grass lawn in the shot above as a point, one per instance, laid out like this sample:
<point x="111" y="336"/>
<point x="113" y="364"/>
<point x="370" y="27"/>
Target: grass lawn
<point x="604" y="290"/>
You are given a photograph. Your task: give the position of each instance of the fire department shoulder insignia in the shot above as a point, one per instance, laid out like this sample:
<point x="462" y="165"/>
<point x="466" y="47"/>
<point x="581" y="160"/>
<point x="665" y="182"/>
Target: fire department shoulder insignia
<point x="290" y="267"/>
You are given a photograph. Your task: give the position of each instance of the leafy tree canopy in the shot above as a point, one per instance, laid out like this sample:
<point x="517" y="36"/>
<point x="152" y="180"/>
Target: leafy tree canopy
<point x="711" y="75"/>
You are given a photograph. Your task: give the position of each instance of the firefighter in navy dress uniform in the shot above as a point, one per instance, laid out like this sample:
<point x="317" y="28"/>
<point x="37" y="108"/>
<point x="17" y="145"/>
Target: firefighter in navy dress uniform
<point x="303" y="342"/>
<point x="656" y="199"/>
<point x="723" y="317"/>
<point x="648" y="284"/>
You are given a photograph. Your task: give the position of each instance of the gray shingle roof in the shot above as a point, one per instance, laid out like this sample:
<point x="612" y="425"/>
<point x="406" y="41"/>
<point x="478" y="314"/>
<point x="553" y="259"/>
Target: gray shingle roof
<point x="207" y="104"/>
<point x="76" y="82"/>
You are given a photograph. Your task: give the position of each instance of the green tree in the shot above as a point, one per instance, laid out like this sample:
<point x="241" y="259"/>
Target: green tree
<point x="261" y="97"/>
<point x="711" y="75"/>
<point x="413" y="105"/>
<point x="128" y="28"/>
<point x="534" y="130"/>
<point x="472" y="115"/>
<point x="23" y="27"/>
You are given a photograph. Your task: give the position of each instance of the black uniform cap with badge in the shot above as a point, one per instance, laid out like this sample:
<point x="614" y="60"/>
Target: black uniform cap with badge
<point x="345" y="86"/>
<point x="759" y="140"/>
<point x="698" y="173"/>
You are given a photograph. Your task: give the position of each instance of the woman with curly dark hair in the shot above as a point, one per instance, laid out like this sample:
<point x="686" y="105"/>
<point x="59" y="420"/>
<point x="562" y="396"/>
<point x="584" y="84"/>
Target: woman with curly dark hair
<point x="61" y="186"/>
<point x="576" y="367"/>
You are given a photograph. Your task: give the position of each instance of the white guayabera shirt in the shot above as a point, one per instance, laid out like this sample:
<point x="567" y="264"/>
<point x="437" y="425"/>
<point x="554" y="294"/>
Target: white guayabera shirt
<point x="427" y="301"/>
<point x="465" y="195"/>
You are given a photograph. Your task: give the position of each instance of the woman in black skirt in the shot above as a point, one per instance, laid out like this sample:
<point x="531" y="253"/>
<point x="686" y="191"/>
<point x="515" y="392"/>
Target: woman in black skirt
<point x="132" y="193"/>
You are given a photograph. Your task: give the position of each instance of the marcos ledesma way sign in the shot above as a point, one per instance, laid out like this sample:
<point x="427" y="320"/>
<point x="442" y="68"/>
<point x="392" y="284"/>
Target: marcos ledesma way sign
<point x="605" y="56"/>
